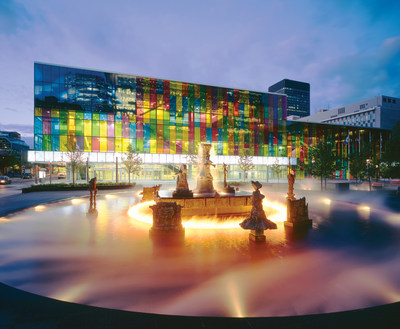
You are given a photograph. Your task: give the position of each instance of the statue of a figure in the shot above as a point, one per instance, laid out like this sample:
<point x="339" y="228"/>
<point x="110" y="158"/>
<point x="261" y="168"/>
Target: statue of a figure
<point x="93" y="193"/>
<point x="225" y="174"/>
<point x="181" y="181"/>
<point x="291" y="179"/>
<point x="257" y="220"/>
<point x="182" y="186"/>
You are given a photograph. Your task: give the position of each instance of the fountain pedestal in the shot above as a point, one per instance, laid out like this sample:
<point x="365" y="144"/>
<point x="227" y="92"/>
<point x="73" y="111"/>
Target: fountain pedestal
<point x="166" y="218"/>
<point x="297" y="213"/>
<point x="257" y="235"/>
<point x="150" y="193"/>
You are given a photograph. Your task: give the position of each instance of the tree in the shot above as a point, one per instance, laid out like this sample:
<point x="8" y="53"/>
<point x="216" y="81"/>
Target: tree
<point x="358" y="165"/>
<point x="193" y="156"/>
<point x="324" y="160"/>
<point x="132" y="162"/>
<point x="75" y="158"/>
<point x="391" y="157"/>
<point x="276" y="168"/>
<point x="246" y="163"/>
<point x="7" y="160"/>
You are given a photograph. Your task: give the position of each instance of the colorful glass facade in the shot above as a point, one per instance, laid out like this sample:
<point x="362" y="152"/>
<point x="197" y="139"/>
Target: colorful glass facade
<point x="101" y="112"/>
<point x="107" y="112"/>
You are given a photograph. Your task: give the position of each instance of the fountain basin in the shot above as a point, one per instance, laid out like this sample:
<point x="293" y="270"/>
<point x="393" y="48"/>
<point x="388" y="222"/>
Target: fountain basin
<point x="220" y="206"/>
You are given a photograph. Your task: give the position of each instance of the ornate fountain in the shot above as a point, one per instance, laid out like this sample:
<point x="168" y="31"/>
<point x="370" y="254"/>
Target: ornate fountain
<point x="206" y="201"/>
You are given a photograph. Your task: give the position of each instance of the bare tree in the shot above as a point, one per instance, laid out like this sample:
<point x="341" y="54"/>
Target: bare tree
<point x="75" y="157"/>
<point x="192" y="157"/>
<point x="276" y="168"/>
<point x="132" y="162"/>
<point x="246" y="163"/>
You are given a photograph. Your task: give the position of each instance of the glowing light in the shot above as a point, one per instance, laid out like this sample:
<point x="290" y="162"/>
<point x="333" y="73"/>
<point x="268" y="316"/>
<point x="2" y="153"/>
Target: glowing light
<point x="235" y="299"/>
<point x="40" y="208"/>
<point x="326" y="201"/>
<point x="393" y="219"/>
<point x="110" y="196"/>
<point x="364" y="211"/>
<point x="77" y="201"/>
<point x="275" y="211"/>
<point x="141" y="212"/>
<point x="214" y="223"/>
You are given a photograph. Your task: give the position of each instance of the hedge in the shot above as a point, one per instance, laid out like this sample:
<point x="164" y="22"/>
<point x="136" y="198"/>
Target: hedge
<point x="76" y="187"/>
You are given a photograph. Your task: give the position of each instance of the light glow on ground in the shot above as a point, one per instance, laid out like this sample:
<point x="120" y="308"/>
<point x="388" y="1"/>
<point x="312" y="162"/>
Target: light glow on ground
<point x="275" y="211"/>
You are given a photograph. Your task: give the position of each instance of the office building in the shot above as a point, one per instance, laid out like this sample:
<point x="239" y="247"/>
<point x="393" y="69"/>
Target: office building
<point x="11" y="143"/>
<point x="377" y="112"/>
<point x="298" y="96"/>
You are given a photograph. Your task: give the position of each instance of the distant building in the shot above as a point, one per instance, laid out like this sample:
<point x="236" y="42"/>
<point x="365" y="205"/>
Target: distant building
<point x="11" y="143"/>
<point x="377" y="112"/>
<point x="298" y="96"/>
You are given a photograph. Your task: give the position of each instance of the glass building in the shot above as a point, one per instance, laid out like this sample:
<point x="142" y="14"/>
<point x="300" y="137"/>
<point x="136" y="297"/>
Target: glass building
<point x="103" y="113"/>
<point x="298" y="96"/>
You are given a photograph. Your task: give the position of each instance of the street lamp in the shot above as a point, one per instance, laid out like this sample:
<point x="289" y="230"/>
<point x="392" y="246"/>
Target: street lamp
<point x="368" y="172"/>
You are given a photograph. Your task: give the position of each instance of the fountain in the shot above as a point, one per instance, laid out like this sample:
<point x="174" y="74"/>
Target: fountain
<point x="56" y="251"/>
<point x="206" y="201"/>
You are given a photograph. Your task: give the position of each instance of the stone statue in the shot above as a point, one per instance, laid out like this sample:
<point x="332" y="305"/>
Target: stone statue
<point x="182" y="186"/>
<point x="205" y="179"/>
<point x="150" y="193"/>
<point x="181" y="181"/>
<point x="227" y="189"/>
<point x="258" y="221"/>
<point x="93" y="193"/>
<point x="291" y="179"/>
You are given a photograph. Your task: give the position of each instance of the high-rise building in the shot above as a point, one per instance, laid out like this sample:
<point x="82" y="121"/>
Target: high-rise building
<point x="11" y="143"/>
<point x="298" y="96"/>
<point x="377" y="112"/>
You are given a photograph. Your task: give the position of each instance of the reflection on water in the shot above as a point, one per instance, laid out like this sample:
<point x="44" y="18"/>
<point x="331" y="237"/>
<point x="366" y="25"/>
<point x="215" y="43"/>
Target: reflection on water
<point x="350" y="259"/>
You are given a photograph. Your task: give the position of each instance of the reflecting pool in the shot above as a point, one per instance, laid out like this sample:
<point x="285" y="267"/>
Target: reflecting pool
<point x="350" y="259"/>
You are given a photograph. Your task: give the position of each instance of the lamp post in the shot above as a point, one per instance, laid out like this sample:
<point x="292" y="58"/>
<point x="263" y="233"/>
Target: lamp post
<point x="368" y="173"/>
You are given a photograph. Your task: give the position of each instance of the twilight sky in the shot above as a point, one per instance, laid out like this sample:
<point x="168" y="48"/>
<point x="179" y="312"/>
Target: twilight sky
<point x="347" y="50"/>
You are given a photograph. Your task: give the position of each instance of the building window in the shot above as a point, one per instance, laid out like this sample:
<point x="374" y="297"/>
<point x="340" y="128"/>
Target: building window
<point x="389" y="100"/>
<point x="341" y="110"/>
<point x="384" y="99"/>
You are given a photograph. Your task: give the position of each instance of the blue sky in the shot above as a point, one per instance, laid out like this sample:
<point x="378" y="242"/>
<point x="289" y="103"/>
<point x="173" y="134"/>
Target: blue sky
<point x="347" y="50"/>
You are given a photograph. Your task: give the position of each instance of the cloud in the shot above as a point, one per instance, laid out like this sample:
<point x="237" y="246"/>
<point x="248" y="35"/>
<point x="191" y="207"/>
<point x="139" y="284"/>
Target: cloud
<point x="360" y="75"/>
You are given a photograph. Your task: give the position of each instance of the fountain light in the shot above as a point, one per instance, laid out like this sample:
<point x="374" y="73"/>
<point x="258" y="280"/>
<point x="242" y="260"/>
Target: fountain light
<point x="364" y="211"/>
<point x="235" y="299"/>
<point x="77" y="201"/>
<point x="40" y="208"/>
<point x="110" y="196"/>
<point x="275" y="210"/>
<point x="327" y="201"/>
